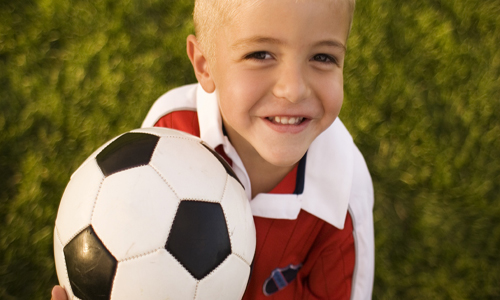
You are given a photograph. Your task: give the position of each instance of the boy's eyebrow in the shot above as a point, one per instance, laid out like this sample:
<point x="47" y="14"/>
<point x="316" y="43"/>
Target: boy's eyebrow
<point x="269" y="40"/>
<point x="256" y="40"/>
<point x="332" y="43"/>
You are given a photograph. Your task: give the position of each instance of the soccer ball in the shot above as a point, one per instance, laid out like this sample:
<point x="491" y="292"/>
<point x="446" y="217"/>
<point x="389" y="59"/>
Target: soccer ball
<point x="154" y="214"/>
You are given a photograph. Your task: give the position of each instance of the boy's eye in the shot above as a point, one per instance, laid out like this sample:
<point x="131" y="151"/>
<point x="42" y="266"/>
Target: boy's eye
<point x="261" y="55"/>
<point x="324" y="58"/>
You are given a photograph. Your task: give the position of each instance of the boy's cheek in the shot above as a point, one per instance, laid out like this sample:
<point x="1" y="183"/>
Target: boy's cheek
<point x="244" y="86"/>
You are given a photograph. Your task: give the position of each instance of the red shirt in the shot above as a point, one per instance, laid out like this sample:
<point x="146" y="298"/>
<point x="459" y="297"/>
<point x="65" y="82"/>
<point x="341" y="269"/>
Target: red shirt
<point x="306" y="258"/>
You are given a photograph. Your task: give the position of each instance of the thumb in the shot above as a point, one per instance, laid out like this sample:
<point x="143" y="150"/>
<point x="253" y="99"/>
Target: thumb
<point x="58" y="293"/>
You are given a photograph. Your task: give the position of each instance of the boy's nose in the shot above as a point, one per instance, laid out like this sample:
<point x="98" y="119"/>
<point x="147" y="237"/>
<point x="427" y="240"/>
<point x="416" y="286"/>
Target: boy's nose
<point x="291" y="84"/>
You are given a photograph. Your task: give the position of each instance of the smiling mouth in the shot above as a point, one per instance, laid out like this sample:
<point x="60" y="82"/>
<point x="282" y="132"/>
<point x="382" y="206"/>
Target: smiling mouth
<point x="286" y="120"/>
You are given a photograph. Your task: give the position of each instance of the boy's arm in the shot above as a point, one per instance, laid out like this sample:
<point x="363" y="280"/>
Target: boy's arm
<point x="330" y="275"/>
<point x="326" y="269"/>
<point x="359" y="248"/>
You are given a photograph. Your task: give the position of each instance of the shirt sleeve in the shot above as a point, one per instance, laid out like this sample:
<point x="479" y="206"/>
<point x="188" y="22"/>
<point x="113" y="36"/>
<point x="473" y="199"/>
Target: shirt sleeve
<point x="183" y="120"/>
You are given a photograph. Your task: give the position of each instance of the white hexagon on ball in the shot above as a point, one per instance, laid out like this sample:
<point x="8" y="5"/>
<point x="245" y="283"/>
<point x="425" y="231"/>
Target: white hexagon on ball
<point x="133" y="212"/>
<point x="192" y="171"/>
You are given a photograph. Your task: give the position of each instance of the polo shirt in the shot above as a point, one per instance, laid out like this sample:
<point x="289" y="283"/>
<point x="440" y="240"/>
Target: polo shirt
<point x="337" y="192"/>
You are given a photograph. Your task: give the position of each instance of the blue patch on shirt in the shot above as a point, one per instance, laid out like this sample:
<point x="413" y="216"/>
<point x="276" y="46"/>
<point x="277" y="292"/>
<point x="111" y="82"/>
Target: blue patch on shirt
<point x="280" y="278"/>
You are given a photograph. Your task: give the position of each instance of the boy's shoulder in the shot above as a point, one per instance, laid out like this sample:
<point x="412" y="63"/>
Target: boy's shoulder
<point x="180" y="98"/>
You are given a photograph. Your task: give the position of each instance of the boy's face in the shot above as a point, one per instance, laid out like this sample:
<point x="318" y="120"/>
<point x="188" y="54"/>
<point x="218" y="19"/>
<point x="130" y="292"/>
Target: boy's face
<point x="278" y="74"/>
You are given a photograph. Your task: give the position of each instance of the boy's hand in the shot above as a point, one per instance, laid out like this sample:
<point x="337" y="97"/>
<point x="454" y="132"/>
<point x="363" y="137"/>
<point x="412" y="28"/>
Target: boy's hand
<point x="58" y="293"/>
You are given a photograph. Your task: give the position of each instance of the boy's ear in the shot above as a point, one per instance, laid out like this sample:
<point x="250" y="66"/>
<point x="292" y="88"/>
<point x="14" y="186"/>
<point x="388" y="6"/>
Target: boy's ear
<point x="200" y="64"/>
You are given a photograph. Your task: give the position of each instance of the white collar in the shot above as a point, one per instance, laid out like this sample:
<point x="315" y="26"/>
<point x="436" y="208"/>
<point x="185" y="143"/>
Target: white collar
<point x="328" y="173"/>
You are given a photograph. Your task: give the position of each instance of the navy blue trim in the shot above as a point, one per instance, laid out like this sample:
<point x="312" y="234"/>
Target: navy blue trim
<point x="224" y="132"/>
<point x="301" y="175"/>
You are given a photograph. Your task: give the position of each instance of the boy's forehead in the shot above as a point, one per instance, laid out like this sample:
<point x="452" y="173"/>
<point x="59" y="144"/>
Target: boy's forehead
<point x="230" y="8"/>
<point x="223" y="10"/>
<point x="258" y="21"/>
<point x="241" y="5"/>
<point x="261" y="7"/>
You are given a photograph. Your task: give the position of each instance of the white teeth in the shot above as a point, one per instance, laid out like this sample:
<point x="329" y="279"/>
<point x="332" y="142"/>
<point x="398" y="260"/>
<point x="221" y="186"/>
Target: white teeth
<point x="286" y="120"/>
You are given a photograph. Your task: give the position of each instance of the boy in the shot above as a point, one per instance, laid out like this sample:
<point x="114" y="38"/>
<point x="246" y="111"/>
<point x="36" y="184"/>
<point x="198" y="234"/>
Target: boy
<point x="269" y="93"/>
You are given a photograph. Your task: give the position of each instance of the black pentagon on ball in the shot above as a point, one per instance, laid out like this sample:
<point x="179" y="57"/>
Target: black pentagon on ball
<point x="199" y="238"/>
<point x="224" y="163"/>
<point x="130" y="150"/>
<point x="91" y="267"/>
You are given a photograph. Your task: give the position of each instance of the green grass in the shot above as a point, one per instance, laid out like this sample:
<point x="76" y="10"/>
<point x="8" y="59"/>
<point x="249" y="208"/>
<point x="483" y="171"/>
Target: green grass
<point x="422" y="100"/>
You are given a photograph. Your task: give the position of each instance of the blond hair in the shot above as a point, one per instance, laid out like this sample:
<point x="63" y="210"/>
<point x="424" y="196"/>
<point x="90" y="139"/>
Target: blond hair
<point x="210" y="15"/>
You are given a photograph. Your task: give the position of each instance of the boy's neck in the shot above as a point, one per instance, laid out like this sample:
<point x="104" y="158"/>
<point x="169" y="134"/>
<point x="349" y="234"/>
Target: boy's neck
<point x="263" y="175"/>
